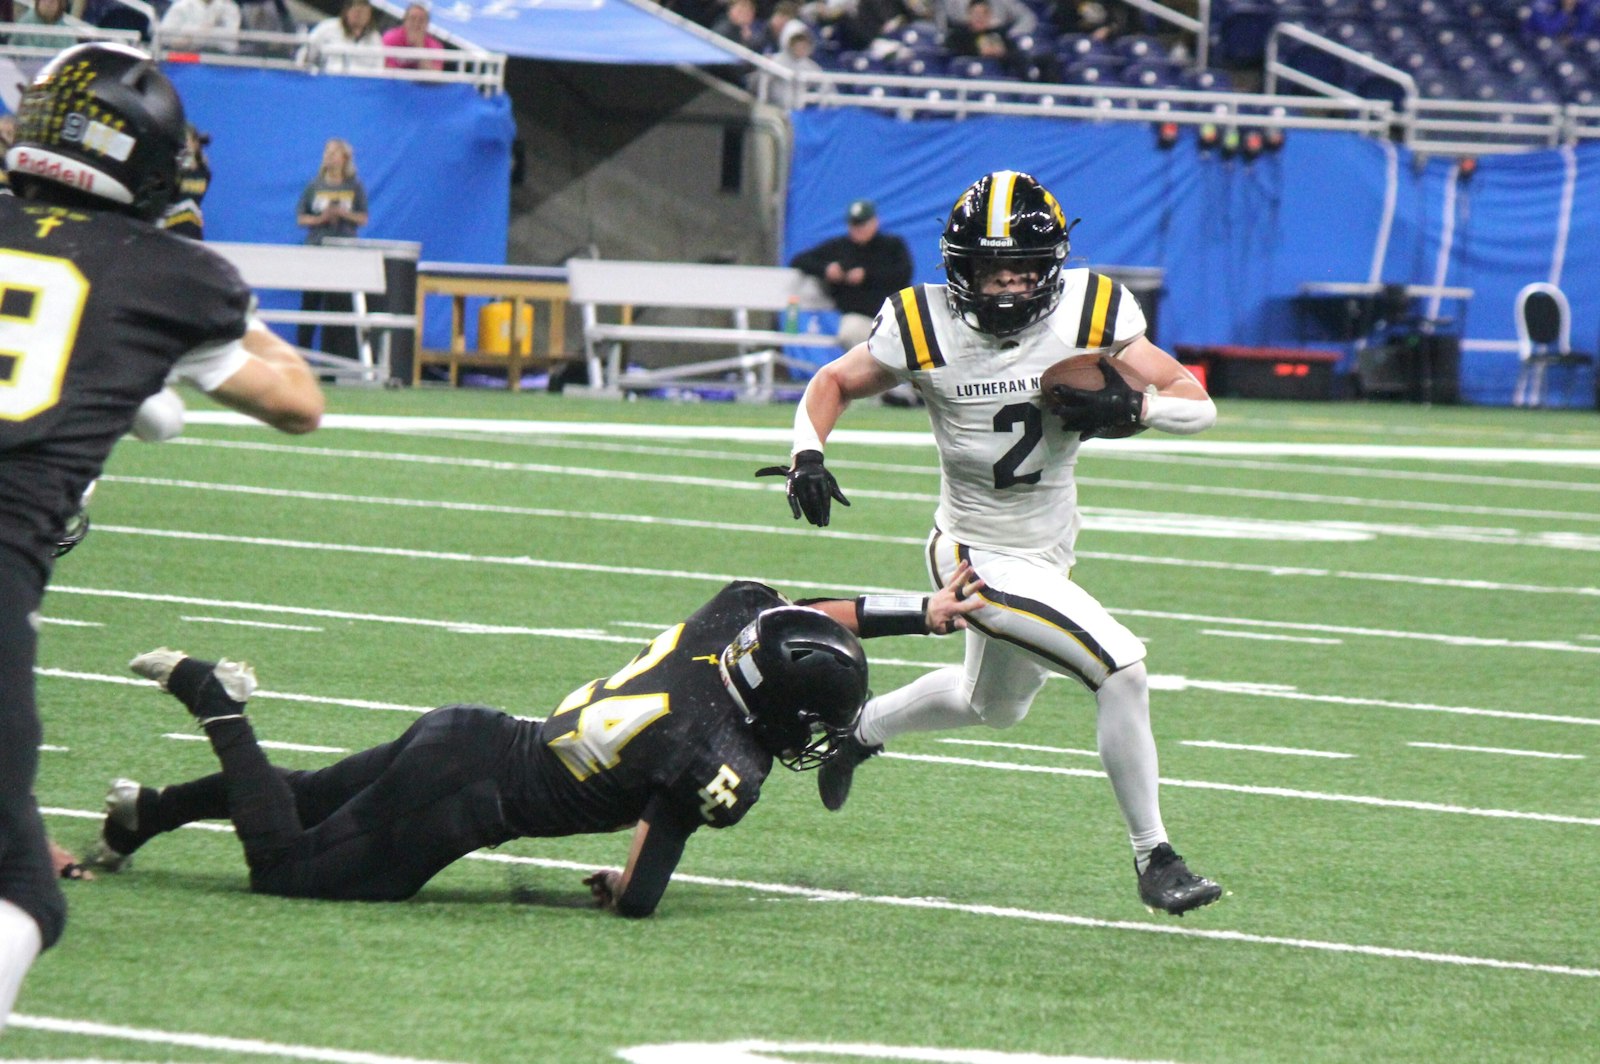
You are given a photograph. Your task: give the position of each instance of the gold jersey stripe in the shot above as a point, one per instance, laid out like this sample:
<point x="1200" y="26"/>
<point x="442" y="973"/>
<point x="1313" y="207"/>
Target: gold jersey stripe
<point x="1102" y="299"/>
<point x="916" y="329"/>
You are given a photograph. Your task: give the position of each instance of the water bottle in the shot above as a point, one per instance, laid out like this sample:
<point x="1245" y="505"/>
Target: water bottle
<point x="791" y="315"/>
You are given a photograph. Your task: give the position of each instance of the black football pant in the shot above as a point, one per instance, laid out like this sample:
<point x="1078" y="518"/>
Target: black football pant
<point x="375" y="826"/>
<point x="27" y="877"/>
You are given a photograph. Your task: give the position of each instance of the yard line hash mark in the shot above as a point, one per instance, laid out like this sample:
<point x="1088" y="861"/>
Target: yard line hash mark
<point x="250" y="624"/>
<point x="216" y="1043"/>
<point x="266" y="744"/>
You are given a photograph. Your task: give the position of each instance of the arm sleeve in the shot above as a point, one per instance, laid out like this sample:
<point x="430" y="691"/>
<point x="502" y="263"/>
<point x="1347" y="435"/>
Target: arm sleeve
<point x="814" y="260"/>
<point x="657" y="859"/>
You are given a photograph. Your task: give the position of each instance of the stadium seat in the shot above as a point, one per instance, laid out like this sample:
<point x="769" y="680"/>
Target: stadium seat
<point x="916" y="65"/>
<point x="970" y="66"/>
<point x="1139" y="48"/>
<point x="1204" y="81"/>
<point x="1242" y="32"/>
<point x="1093" y="72"/>
<point x="860" y="63"/>
<point x="1149" y="75"/>
<point x="1079" y="46"/>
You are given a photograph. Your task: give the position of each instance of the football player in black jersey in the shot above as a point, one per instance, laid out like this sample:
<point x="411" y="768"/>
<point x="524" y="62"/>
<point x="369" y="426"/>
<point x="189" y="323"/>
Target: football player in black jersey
<point x="680" y="737"/>
<point x="97" y="307"/>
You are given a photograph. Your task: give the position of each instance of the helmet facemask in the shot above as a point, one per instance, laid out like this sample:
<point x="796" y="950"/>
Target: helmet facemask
<point x="1006" y="312"/>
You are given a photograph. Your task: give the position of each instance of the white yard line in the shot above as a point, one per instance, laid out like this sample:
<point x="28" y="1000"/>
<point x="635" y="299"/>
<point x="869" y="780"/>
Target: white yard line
<point x="1006" y="912"/>
<point x="208" y="1042"/>
<point x="1217" y="744"/>
<point x="781" y="437"/>
<point x="265" y="744"/>
<point x="1271" y="792"/>
<point x="742" y="484"/>
<point x="524" y="561"/>
<point x="251" y="624"/>
<point x="1273" y="638"/>
<point x="1497" y="750"/>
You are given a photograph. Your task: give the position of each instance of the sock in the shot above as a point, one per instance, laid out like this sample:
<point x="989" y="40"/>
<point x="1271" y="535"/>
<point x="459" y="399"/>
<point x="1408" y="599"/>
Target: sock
<point x="20" y="942"/>
<point x="1128" y="754"/>
<point x="933" y="702"/>
<point x="195" y="684"/>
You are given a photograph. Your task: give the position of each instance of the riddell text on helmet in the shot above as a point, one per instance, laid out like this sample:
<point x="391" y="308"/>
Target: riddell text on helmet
<point x="53" y="167"/>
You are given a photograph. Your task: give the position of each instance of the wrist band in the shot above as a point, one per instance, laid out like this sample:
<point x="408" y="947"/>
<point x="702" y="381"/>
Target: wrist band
<point x="891" y="615"/>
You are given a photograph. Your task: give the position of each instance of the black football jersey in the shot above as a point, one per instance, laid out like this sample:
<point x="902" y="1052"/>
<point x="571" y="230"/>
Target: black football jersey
<point x="663" y="723"/>
<point x="95" y="307"/>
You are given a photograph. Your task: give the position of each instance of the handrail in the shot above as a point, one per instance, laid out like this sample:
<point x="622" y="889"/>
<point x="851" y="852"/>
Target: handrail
<point x="1276" y="69"/>
<point x="962" y="96"/>
<point x="1198" y="24"/>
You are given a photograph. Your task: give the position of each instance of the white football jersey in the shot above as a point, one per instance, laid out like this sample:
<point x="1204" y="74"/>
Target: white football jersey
<point x="1007" y="464"/>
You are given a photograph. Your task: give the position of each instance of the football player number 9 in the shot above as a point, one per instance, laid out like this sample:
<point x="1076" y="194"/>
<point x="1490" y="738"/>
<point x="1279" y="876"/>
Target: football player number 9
<point x="41" y="303"/>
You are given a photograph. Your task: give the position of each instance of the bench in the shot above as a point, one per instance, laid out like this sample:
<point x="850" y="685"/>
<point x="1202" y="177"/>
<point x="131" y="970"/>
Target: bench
<point x="356" y="272"/>
<point x="733" y="292"/>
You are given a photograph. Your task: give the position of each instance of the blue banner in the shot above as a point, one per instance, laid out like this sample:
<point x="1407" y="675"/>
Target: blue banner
<point x="1236" y="237"/>
<point x="435" y="159"/>
<point x="575" y="31"/>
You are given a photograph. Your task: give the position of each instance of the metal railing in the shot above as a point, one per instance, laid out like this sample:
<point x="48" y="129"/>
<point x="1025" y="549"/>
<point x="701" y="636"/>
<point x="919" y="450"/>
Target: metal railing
<point x="261" y="49"/>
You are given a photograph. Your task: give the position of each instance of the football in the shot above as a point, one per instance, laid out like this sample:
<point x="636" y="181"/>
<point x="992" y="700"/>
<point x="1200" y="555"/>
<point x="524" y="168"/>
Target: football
<point x="1083" y="372"/>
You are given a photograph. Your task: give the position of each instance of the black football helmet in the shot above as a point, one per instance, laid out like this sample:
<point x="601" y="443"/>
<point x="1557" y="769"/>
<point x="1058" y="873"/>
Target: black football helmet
<point x="1004" y="220"/>
<point x="801" y="679"/>
<point x="102" y="121"/>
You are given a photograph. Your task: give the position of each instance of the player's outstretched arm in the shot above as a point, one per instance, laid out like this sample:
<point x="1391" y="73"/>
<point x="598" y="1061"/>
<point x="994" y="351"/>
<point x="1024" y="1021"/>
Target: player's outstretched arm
<point x="941" y="613"/>
<point x="274" y="386"/>
<point x="812" y="489"/>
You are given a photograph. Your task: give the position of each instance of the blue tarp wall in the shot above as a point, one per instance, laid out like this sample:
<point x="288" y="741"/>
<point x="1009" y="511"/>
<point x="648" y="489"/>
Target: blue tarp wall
<point x="1236" y="238"/>
<point x="435" y="160"/>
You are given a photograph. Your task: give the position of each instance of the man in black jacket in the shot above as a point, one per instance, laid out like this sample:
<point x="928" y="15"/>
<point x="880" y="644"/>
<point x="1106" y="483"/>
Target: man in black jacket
<point x="859" y="270"/>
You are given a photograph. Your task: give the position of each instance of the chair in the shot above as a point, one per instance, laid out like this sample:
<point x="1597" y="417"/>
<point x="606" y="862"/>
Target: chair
<point x="1544" y="339"/>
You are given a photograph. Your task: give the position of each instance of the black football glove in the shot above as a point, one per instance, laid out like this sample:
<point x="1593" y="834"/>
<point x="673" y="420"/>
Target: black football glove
<point x="1086" y="412"/>
<point x="812" y="488"/>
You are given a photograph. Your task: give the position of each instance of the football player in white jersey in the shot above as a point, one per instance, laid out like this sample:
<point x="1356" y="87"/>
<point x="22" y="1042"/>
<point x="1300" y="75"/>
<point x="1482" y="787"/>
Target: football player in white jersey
<point x="975" y="348"/>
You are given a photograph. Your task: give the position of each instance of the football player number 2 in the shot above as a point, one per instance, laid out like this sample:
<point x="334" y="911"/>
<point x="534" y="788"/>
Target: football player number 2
<point x="1006" y="420"/>
<point x="41" y="303"/>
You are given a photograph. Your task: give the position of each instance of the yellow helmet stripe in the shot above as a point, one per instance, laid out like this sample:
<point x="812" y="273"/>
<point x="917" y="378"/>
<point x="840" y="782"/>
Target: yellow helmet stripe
<point x="1001" y="185"/>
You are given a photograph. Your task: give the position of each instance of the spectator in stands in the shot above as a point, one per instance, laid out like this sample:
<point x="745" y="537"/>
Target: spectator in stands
<point x="783" y="13"/>
<point x="859" y="270"/>
<point x="1563" y="19"/>
<point x="334" y="204"/>
<point x="983" y="37"/>
<point x="218" y="19"/>
<point x="413" y="33"/>
<point x="1007" y="17"/>
<point x="43" y="13"/>
<point x="1101" y="19"/>
<point x="795" y="45"/>
<point x="742" y="25"/>
<point x="348" y="41"/>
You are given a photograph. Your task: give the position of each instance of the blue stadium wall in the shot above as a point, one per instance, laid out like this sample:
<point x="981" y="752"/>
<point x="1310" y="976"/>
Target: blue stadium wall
<point x="435" y="159"/>
<point x="1237" y="238"/>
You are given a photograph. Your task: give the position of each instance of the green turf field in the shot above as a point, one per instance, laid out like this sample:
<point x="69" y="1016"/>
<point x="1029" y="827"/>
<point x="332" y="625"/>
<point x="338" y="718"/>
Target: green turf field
<point x="1375" y="676"/>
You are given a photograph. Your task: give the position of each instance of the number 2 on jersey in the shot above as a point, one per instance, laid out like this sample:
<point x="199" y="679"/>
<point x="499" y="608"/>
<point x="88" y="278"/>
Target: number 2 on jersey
<point x="41" y="304"/>
<point x="1006" y="419"/>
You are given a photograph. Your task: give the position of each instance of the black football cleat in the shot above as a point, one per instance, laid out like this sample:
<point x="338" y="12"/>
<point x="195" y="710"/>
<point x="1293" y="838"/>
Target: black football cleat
<point x="836" y="773"/>
<point x="1167" y="884"/>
